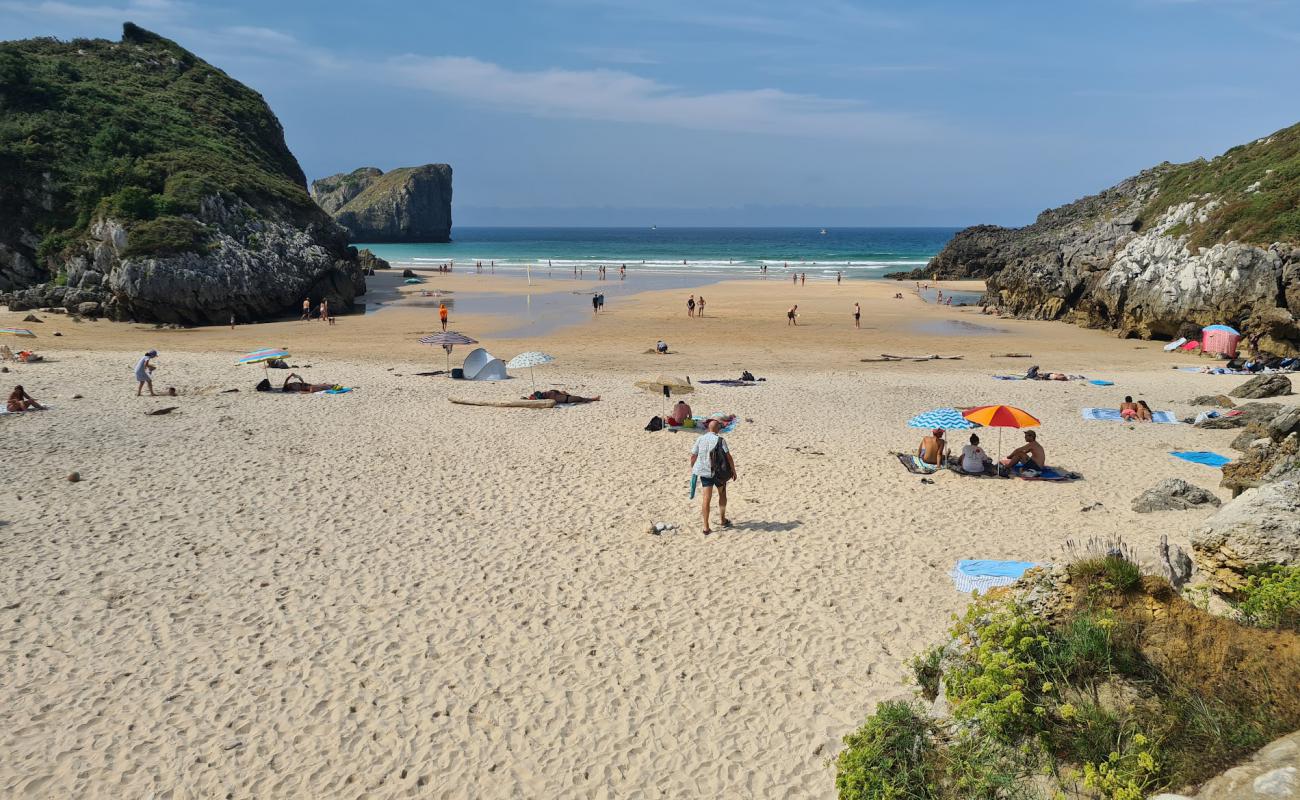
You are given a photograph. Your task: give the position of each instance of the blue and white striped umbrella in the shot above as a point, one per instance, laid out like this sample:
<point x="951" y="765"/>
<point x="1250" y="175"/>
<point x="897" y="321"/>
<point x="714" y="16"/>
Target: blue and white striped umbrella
<point x="950" y="419"/>
<point x="263" y="355"/>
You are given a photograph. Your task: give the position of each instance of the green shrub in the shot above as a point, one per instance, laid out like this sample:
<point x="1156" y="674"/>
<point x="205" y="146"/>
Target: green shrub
<point x="165" y="236"/>
<point x="131" y="203"/>
<point x="1116" y="572"/>
<point x="927" y="669"/>
<point x="1129" y="772"/>
<point x="890" y="757"/>
<point x="1271" y="598"/>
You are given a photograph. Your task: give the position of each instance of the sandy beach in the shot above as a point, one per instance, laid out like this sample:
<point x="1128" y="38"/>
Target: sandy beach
<point x="381" y="594"/>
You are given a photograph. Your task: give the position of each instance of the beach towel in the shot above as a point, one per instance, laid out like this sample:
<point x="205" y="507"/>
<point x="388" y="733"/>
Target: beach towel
<point x="1201" y="457"/>
<point x="730" y="382"/>
<point x="1175" y="344"/>
<point x="915" y="465"/>
<point x="699" y="425"/>
<point x="1102" y="383"/>
<point x="5" y="411"/>
<point x="971" y="575"/>
<point x="1054" y="474"/>
<point x="1010" y="378"/>
<point x="1113" y="415"/>
<point x="335" y="390"/>
<point x="1193" y="345"/>
<point x="1217" y="371"/>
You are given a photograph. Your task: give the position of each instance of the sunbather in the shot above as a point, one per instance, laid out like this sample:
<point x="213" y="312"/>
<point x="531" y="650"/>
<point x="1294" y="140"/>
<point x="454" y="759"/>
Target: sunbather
<point x="561" y="397"/>
<point x="1144" y="411"/>
<point x="295" y="384"/>
<point x="1128" y="409"/>
<point x="680" y="413"/>
<point x="1030" y="455"/>
<point x="20" y="400"/>
<point x="933" y="448"/>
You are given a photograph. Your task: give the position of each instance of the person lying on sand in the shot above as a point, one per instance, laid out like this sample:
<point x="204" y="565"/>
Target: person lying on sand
<point x="20" y="400"/>
<point x="1030" y="455"/>
<point x="295" y="384"/>
<point x="561" y="397"/>
<point x="933" y="448"/>
<point x="1144" y="411"/>
<point x="1128" y="409"/>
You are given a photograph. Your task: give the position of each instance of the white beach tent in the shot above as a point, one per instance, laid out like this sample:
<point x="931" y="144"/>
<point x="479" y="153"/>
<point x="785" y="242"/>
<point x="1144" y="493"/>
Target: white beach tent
<point x="480" y="365"/>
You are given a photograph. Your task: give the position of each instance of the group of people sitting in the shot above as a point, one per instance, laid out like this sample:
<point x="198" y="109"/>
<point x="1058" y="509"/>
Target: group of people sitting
<point x="1131" y="411"/>
<point x="1029" y="458"/>
<point x="21" y="357"/>
<point x="20" y="400"/>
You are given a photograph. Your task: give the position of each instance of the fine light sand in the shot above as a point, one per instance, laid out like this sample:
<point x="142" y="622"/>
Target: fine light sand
<point x="381" y="594"/>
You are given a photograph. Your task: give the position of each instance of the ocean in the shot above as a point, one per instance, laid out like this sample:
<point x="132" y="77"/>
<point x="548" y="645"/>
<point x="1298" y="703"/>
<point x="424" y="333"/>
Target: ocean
<point x="857" y="252"/>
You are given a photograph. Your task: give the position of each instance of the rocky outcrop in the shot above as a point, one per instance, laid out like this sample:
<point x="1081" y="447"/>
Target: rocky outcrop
<point x="1258" y="528"/>
<point x="1272" y="773"/>
<point x="1173" y="494"/>
<point x="1263" y="386"/>
<point x="209" y="220"/>
<point x="1150" y="257"/>
<point x="410" y="204"/>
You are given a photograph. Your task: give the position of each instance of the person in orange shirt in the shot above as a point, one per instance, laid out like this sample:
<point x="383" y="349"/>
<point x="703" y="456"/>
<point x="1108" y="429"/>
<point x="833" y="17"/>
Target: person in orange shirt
<point x="442" y="315"/>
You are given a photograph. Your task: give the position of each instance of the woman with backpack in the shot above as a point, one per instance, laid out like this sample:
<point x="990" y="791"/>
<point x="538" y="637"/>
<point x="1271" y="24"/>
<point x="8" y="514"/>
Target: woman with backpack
<point x="712" y="464"/>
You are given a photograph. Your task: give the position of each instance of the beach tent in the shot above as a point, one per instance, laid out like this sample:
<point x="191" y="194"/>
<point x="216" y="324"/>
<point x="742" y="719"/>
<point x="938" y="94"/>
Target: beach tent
<point x="1220" y="339"/>
<point x="480" y="365"/>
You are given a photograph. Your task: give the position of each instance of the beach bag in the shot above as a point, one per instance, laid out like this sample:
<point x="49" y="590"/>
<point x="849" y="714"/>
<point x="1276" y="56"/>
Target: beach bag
<point x="263" y="385"/>
<point x="656" y="424"/>
<point x="718" y="463"/>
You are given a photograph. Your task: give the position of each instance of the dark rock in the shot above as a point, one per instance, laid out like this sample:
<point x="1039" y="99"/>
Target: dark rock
<point x="1219" y="400"/>
<point x="88" y="309"/>
<point x="1284" y="423"/>
<point x="1251" y="434"/>
<point x="32" y="318"/>
<point x="370" y="262"/>
<point x="1173" y="494"/>
<point x="1272" y="385"/>
<point x="409" y="204"/>
<point x="1174" y="564"/>
<point x="409" y="273"/>
<point x="74" y="477"/>
<point x="161" y="411"/>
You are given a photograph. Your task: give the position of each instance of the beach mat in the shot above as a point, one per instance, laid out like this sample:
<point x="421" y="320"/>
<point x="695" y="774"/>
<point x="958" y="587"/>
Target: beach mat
<point x="336" y="390"/>
<point x="6" y="412"/>
<point x="1098" y="382"/>
<point x="915" y="466"/>
<point x="980" y="575"/>
<point x="1113" y="415"/>
<point x="1053" y="474"/>
<point x="1201" y="457"/>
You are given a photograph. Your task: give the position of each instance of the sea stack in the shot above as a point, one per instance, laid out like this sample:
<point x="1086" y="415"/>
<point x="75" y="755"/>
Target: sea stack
<point x="408" y="204"/>
<point x="162" y="190"/>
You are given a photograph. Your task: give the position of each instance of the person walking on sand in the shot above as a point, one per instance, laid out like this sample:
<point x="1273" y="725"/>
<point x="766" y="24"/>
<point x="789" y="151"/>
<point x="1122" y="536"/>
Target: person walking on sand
<point x="325" y="311"/>
<point x="839" y="278"/>
<point x="795" y="278"/>
<point x="803" y="279"/>
<point x="792" y="316"/>
<point x="690" y="306"/>
<point x="595" y="303"/>
<point x="306" y="308"/>
<point x="442" y="314"/>
<point x="857" y="315"/>
<point x="144" y="372"/>
<point x="701" y="305"/>
<point x="712" y="464"/>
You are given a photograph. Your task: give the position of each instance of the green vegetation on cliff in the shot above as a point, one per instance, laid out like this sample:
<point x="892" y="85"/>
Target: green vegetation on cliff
<point x="139" y="129"/>
<point x="1256" y="186"/>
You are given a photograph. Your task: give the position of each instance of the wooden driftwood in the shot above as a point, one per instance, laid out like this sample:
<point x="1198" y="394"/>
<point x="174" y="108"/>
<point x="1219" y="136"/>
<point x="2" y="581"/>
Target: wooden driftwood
<point x="1011" y="355"/>
<point x="505" y="403"/>
<point x="886" y="357"/>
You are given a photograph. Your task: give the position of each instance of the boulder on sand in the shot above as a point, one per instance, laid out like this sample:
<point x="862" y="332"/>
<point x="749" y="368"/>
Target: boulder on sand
<point x="1173" y="494"/>
<point x="1259" y="528"/>
<point x="1284" y="423"/>
<point x="1220" y="400"/>
<point x="1272" y="385"/>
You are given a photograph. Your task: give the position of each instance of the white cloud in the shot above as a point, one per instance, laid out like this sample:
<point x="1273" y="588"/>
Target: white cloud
<point x="137" y="10"/>
<point x="617" y="96"/>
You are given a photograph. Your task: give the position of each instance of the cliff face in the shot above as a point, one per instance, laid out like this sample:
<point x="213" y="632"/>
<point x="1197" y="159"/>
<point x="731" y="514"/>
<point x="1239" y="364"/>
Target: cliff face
<point x="1165" y="252"/>
<point x="410" y="204"/>
<point x="137" y="181"/>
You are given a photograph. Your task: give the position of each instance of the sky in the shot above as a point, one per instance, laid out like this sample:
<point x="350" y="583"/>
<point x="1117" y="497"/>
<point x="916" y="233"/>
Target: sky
<point x="745" y="112"/>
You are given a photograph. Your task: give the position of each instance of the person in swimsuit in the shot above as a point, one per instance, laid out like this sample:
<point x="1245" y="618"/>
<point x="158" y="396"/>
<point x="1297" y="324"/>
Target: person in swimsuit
<point x="680" y="413"/>
<point x="306" y="308"/>
<point x="701" y="306"/>
<point x="933" y="448"/>
<point x="296" y="383"/>
<point x="1144" y="411"/>
<point x="20" y="400"/>
<point x="792" y="315"/>
<point x="690" y="306"/>
<point x="857" y="315"/>
<point x="442" y="315"/>
<point x="561" y="397"/>
<point x="1030" y="455"/>
<point x="1128" y="409"/>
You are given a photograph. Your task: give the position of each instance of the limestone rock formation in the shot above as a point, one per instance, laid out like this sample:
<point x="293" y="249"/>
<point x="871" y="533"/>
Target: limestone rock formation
<point x="1260" y="527"/>
<point x="1158" y="255"/>
<point x="180" y="204"/>
<point x="1272" y="773"/>
<point x="1173" y="494"/>
<point x="1263" y="386"/>
<point x="410" y="204"/>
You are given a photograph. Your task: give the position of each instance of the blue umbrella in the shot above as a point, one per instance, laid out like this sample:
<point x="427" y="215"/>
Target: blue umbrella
<point x="1224" y="328"/>
<point x="950" y="419"/>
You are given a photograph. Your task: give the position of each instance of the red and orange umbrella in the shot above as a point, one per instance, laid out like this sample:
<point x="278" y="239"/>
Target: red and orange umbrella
<point x="1001" y="417"/>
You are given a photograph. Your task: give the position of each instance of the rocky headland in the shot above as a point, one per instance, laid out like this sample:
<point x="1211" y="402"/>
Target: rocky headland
<point x="181" y="203"/>
<point x="408" y="204"/>
<point x="1160" y="254"/>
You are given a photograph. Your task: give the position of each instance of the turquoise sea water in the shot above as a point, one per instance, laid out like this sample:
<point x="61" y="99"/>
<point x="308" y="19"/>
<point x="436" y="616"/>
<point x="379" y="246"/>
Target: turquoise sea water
<point x="857" y="252"/>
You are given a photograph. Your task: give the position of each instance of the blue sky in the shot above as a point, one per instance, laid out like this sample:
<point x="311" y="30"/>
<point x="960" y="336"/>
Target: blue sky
<point x="757" y="112"/>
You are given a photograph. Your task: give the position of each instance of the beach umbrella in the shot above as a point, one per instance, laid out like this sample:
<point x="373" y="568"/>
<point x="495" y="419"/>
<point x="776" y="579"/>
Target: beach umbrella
<point x="263" y="356"/>
<point x="17" y="332"/>
<point x="448" y="340"/>
<point x="532" y="358"/>
<point x="1222" y="328"/>
<point x="664" y="386"/>
<point x="1001" y="417"/>
<point x="950" y="419"/>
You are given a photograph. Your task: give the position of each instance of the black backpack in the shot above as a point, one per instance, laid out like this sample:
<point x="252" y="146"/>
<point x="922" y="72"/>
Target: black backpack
<point x="656" y="424"/>
<point x="718" y="463"/>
